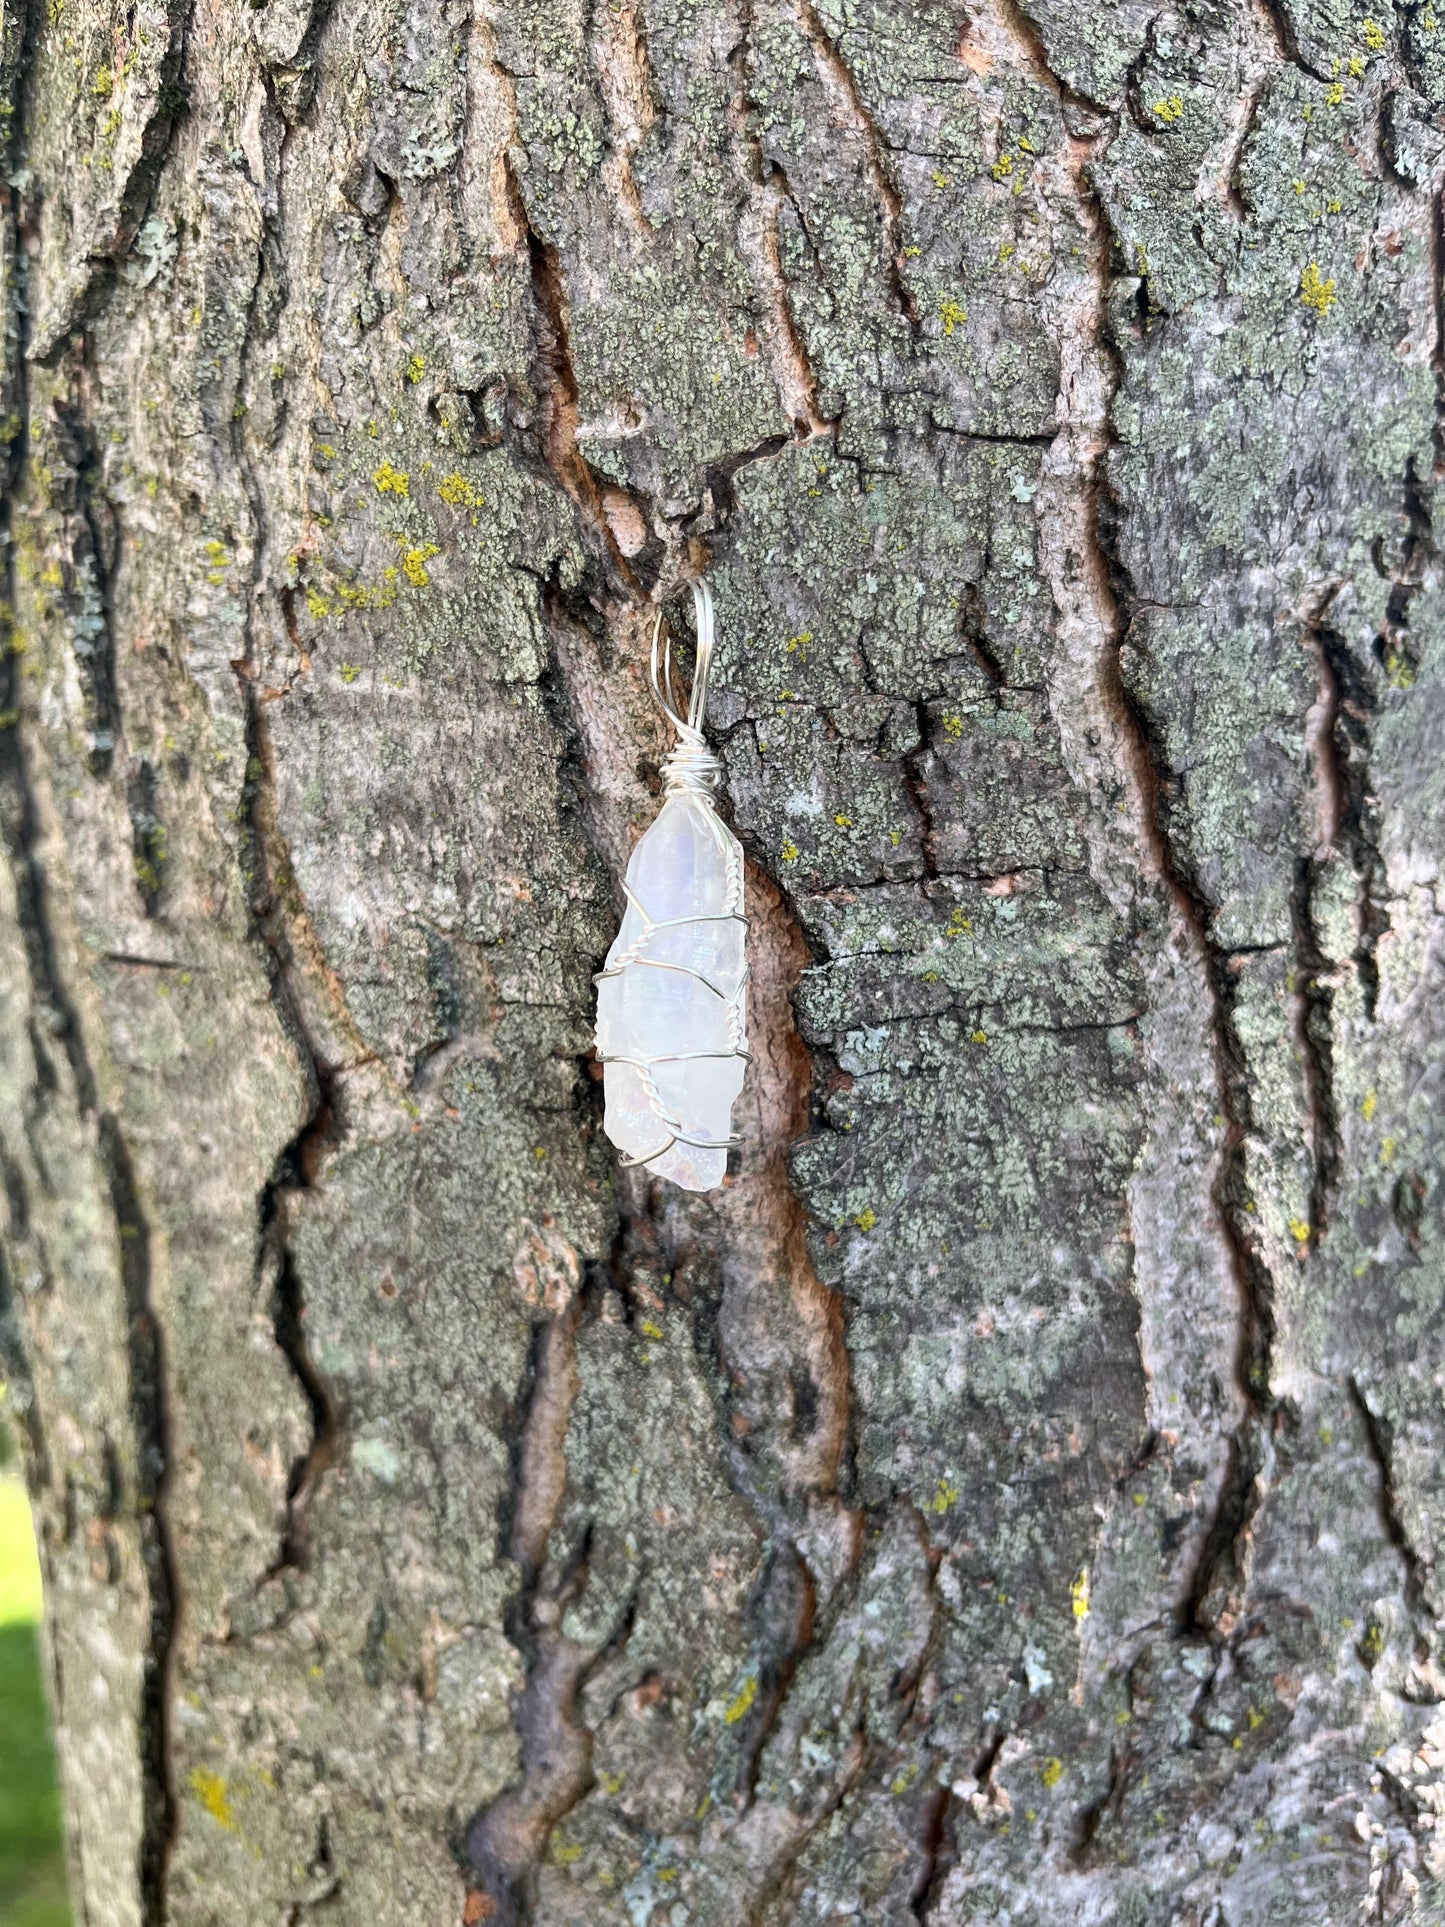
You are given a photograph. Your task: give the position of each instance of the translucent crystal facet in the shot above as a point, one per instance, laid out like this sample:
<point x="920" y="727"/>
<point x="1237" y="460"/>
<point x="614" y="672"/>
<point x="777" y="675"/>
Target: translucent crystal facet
<point x="671" y="1002"/>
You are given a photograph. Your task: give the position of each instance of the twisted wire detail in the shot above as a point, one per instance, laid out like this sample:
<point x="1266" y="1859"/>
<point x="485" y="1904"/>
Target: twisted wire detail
<point x="689" y="766"/>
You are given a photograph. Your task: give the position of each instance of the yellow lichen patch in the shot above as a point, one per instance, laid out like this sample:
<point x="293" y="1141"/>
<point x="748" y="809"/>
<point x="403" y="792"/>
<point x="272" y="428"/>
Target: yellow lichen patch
<point x="1315" y="291"/>
<point x="1373" y="35"/>
<point x="866" y="1218"/>
<point x="799" y="645"/>
<point x="739" y="1708"/>
<point x="790" y="851"/>
<point x="318" y="604"/>
<point x="353" y="596"/>
<point x="349" y="672"/>
<point x="953" y="315"/>
<point x="416" y="368"/>
<point x="1168" y="110"/>
<point x="1299" y="1231"/>
<point x="843" y="820"/>
<point x="566" y="1853"/>
<point x="210" y="1790"/>
<point x="457" y="491"/>
<point x="1079" y="1594"/>
<point x="1002" y="168"/>
<point x="940" y="180"/>
<point x="1053" y="1772"/>
<point x="953" y="726"/>
<point x="901" y="1781"/>
<point x="1335" y="94"/>
<point x="103" y="82"/>
<point x="945" y="1497"/>
<point x="979" y="1037"/>
<point x="391" y="481"/>
<point x="651" y="1329"/>
<point x="413" y="564"/>
<point x="958" y="924"/>
<point x="611" y="1782"/>
<point x="1367" y="1108"/>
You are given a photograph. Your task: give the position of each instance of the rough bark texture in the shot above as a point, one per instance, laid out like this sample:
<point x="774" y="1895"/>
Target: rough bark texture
<point x="1016" y="1496"/>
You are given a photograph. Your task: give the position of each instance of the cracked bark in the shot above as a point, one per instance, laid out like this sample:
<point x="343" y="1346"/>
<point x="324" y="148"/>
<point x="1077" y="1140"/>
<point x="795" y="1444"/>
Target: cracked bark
<point x="1016" y="1492"/>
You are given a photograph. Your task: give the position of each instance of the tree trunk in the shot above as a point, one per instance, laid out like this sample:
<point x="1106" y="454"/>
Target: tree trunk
<point x="1014" y="1496"/>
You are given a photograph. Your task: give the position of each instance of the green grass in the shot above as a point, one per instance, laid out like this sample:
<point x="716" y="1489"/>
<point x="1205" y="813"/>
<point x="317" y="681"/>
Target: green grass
<point x="32" y="1856"/>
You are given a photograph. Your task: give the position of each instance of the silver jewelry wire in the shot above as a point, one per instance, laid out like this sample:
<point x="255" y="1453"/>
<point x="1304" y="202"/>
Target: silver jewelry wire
<point x="689" y="768"/>
<point x="690" y="765"/>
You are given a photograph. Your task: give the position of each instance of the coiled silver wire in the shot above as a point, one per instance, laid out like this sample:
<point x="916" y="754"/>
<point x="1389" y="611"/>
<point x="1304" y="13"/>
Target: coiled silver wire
<point x="689" y="765"/>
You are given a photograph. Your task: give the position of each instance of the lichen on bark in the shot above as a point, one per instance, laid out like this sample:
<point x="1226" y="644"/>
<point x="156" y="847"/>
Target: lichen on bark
<point x="1015" y="1494"/>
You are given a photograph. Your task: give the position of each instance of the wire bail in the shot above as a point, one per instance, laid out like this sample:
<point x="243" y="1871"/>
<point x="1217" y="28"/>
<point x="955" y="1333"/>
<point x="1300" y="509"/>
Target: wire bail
<point x="690" y="767"/>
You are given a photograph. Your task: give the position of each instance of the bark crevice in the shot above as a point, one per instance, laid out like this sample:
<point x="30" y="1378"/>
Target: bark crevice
<point x="1092" y="573"/>
<point x="769" y="190"/>
<point x="851" y="111"/>
<point x="507" y="1839"/>
<point x="153" y="1427"/>
<point x="294" y="1170"/>
<point x="93" y="278"/>
<point x="1378" y="1441"/>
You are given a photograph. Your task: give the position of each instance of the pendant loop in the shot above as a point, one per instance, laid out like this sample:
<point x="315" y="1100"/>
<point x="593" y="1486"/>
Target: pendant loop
<point x="690" y="767"/>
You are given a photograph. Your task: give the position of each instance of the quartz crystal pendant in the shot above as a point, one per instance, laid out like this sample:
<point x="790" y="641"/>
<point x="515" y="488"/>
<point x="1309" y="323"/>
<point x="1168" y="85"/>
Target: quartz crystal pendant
<point x="671" y="1013"/>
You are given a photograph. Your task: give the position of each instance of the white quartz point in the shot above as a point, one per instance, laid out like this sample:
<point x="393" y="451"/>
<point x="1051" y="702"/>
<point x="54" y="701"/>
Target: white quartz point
<point x="671" y="1003"/>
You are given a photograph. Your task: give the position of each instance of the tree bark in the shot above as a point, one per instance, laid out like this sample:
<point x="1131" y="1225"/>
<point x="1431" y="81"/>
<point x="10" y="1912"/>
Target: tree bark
<point x="1014" y="1497"/>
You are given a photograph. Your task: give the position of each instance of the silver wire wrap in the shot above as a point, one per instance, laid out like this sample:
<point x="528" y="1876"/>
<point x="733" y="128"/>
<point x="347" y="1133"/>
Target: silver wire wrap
<point x="689" y="768"/>
<point x="689" y="765"/>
